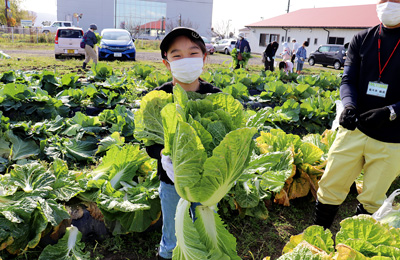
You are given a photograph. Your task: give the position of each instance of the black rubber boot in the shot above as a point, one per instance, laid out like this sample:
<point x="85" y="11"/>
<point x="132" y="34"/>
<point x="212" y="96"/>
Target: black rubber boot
<point x="84" y="65"/>
<point x="325" y="214"/>
<point x="360" y="210"/>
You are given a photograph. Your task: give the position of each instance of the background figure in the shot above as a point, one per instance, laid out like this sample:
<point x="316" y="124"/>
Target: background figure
<point x="286" y="66"/>
<point x="90" y="42"/>
<point x="295" y="48"/>
<point x="286" y="53"/>
<point x="301" y="56"/>
<point x="269" y="54"/>
<point x="242" y="45"/>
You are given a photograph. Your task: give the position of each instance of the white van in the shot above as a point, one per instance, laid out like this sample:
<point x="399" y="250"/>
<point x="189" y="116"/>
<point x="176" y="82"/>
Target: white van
<point x="67" y="42"/>
<point x="55" y="25"/>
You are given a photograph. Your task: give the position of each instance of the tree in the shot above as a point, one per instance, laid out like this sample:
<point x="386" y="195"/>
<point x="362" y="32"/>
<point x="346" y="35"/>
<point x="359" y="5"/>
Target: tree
<point x="172" y="23"/>
<point x="17" y="14"/>
<point x="222" y="29"/>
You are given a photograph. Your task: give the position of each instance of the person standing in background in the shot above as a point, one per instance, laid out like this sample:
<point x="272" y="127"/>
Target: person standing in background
<point x="295" y="48"/>
<point x="242" y="45"/>
<point x="90" y="42"/>
<point x="286" y="53"/>
<point x="269" y="55"/>
<point x="301" y="56"/>
<point x="368" y="138"/>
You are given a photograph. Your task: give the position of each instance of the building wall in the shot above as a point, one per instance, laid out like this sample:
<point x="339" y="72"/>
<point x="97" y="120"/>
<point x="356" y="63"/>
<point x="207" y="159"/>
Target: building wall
<point x="300" y="34"/>
<point x="194" y="12"/>
<point x="100" y="12"/>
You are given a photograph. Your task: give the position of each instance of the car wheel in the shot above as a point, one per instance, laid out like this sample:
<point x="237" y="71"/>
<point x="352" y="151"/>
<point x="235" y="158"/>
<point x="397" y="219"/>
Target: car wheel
<point x="311" y="61"/>
<point x="226" y="51"/>
<point x="337" y="65"/>
<point x="57" y="56"/>
<point x="46" y="31"/>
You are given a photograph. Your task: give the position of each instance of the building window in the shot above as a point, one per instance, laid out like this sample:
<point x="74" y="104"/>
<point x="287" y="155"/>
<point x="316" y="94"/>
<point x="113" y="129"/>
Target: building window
<point x="308" y="40"/>
<point x="283" y="39"/>
<point x="315" y="41"/>
<point x="263" y="39"/>
<point x="336" y="40"/>
<point x="274" y="38"/>
<point x="288" y="39"/>
<point x="141" y="18"/>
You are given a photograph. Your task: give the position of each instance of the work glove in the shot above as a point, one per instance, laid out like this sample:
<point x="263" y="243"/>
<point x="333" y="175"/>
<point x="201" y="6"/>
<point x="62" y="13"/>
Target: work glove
<point x="375" y="118"/>
<point x="268" y="59"/>
<point x="166" y="163"/>
<point x="348" y="118"/>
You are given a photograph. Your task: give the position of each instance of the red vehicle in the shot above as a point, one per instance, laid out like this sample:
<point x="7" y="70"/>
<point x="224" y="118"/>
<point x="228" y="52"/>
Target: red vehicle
<point x="209" y="46"/>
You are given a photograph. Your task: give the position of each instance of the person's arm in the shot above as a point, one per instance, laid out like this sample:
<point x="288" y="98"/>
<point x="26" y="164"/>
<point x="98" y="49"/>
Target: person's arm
<point x="248" y="47"/>
<point x="349" y="84"/>
<point x="348" y="88"/>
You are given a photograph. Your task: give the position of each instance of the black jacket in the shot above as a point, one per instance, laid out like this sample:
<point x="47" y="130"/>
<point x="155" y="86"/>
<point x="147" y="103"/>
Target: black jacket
<point x="362" y="67"/>
<point x="91" y="38"/>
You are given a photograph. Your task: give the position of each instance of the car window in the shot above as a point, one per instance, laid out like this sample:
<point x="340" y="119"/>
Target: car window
<point x="117" y="36"/>
<point x="67" y="24"/>
<point x="68" y="33"/>
<point x="324" y="49"/>
<point x="56" y="24"/>
<point x="334" y="48"/>
<point x="233" y="42"/>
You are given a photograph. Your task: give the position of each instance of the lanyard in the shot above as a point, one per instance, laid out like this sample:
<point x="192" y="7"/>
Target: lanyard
<point x="379" y="54"/>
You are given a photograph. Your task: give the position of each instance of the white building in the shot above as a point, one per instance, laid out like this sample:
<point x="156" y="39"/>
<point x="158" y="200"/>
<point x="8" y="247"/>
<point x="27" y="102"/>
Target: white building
<point x="333" y="25"/>
<point x="143" y="18"/>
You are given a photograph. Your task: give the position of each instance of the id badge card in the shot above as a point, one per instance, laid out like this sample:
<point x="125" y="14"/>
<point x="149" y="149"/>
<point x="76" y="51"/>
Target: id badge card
<point x="377" y="89"/>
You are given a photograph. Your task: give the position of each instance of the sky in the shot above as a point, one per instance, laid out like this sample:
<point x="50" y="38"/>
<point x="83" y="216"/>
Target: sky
<point x="233" y="13"/>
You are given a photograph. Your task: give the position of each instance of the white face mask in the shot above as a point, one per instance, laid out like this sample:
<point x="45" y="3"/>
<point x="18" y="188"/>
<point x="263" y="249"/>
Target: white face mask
<point x="187" y="70"/>
<point x="389" y="13"/>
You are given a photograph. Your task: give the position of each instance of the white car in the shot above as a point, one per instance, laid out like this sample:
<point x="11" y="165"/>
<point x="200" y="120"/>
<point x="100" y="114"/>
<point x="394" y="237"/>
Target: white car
<point x="67" y="42"/>
<point x="55" y="25"/>
<point x="225" y="45"/>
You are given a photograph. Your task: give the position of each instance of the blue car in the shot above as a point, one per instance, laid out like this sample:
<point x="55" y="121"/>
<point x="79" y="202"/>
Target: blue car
<point x="117" y="44"/>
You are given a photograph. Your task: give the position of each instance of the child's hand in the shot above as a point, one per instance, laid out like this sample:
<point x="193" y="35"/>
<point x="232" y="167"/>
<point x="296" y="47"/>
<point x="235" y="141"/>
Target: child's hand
<point x="166" y="163"/>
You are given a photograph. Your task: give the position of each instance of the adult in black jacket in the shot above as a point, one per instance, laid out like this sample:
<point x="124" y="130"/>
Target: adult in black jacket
<point x="90" y="42"/>
<point x="183" y="52"/>
<point x="269" y="55"/>
<point x="369" y="135"/>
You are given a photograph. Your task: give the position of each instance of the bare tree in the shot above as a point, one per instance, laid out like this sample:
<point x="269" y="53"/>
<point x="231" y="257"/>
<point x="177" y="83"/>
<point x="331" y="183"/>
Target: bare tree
<point x="172" y="23"/>
<point x="222" y="29"/>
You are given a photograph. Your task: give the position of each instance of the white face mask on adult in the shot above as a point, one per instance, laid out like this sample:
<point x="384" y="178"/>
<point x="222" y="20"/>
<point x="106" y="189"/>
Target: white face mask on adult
<point x="389" y="13"/>
<point x="187" y="70"/>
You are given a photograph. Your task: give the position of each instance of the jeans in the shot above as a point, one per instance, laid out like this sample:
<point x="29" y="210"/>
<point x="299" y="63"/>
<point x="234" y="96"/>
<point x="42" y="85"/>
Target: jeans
<point x="300" y="66"/>
<point x="169" y="201"/>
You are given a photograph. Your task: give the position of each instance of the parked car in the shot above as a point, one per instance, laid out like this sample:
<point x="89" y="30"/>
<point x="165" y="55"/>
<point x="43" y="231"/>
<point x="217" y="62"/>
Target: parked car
<point x="209" y="46"/>
<point x="225" y="45"/>
<point x="117" y="44"/>
<point x="329" y="55"/>
<point x="67" y="42"/>
<point x="55" y="25"/>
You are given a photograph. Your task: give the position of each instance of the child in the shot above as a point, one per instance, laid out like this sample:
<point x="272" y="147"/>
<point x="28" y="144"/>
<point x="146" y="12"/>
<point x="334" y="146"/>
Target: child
<point x="183" y="52"/>
<point x="287" y="66"/>
<point x="286" y="52"/>
<point x="301" y="56"/>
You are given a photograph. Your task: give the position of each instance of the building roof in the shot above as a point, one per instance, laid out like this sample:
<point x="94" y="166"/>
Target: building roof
<point x="156" y="25"/>
<point x="356" y="16"/>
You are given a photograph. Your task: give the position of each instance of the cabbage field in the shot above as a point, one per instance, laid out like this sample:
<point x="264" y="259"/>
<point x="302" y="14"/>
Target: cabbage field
<point x="75" y="177"/>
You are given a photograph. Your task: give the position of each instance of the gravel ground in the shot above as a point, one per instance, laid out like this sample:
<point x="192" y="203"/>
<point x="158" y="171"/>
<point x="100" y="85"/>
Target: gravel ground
<point x="140" y="55"/>
<point x="216" y="58"/>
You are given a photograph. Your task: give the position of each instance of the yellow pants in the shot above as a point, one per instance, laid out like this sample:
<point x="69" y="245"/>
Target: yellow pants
<point x="90" y="53"/>
<point x="351" y="152"/>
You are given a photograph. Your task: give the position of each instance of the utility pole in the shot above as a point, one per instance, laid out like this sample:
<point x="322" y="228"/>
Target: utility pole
<point x="288" y="6"/>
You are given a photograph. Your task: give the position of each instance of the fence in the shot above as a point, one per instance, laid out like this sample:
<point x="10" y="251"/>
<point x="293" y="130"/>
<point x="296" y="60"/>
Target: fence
<point x="26" y="35"/>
